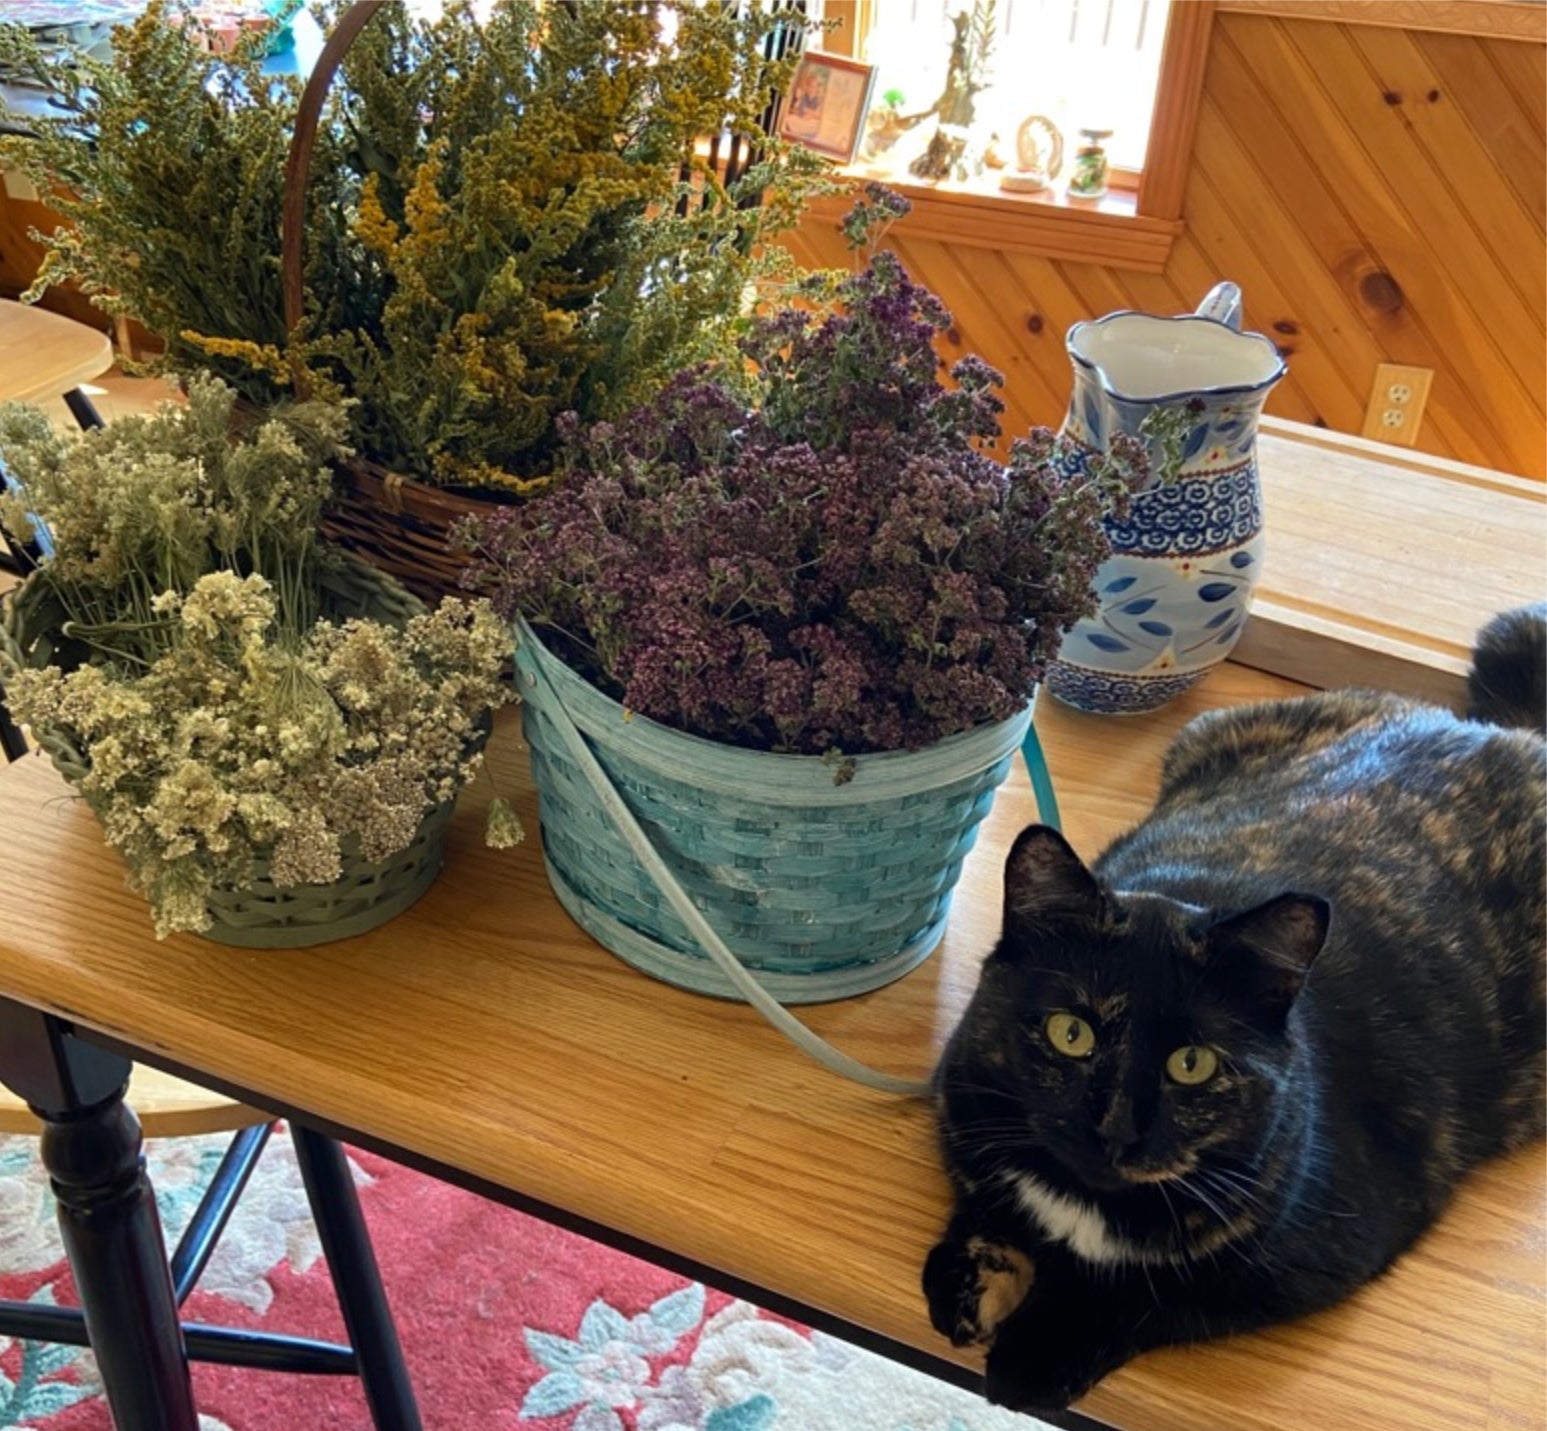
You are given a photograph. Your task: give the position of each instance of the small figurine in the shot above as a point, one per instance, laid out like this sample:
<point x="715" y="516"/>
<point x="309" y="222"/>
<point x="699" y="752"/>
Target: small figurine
<point x="1039" y="155"/>
<point x="1088" y="180"/>
<point x="945" y="156"/>
<point x="884" y="125"/>
<point x="972" y="41"/>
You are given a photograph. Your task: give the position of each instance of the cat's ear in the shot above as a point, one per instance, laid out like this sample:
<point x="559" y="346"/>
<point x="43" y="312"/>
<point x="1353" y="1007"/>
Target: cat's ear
<point x="1046" y="884"/>
<point x="1258" y="959"/>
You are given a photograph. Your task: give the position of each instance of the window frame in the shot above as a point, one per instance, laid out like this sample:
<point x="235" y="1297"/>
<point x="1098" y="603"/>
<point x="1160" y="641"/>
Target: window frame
<point x="1136" y="226"/>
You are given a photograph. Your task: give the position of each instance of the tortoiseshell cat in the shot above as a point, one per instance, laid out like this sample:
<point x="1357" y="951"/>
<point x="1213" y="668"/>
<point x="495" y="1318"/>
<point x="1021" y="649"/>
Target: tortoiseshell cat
<point x="1235" y="1068"/>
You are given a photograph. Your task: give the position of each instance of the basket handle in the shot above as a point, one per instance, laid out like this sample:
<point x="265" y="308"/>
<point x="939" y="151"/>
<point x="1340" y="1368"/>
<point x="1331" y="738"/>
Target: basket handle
<point x="298" y="164"/>
<point x="747" y="985"/>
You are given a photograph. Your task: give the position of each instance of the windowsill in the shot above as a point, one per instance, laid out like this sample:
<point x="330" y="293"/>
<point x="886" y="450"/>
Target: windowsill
<point x="1119" y="199"/>
<point x="978" y="214"/>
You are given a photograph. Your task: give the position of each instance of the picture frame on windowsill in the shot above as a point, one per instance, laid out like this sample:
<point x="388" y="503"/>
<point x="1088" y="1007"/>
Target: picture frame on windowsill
<point x="826" y="105"/>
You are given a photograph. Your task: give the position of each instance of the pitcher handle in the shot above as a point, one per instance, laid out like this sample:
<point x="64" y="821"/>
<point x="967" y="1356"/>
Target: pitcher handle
<point x="1222" y="303"/>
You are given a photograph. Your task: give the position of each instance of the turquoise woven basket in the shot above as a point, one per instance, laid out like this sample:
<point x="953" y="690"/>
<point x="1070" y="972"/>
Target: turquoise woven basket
<point x="823" y="890"/>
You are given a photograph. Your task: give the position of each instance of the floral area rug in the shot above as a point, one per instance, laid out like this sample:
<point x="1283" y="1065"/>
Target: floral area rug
<point x="508" y="1324"/>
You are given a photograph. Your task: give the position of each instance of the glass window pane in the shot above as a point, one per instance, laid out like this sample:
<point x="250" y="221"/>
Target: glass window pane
<point x="1079" y="62"/>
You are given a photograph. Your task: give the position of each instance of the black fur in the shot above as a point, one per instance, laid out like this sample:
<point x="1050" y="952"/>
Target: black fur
<point x="1340" y="899"/>
<point x="1508" y="682"/>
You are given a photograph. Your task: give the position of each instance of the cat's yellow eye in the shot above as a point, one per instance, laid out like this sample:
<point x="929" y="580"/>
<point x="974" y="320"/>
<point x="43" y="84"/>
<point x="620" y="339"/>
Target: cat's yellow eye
<point x="1070" y="1035"/>
<point x="1194" y="1063"/>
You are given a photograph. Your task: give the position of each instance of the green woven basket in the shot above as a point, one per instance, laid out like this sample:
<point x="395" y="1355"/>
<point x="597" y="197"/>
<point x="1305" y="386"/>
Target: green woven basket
<point x="823" y="890"/>
<point x="261" y="915"/>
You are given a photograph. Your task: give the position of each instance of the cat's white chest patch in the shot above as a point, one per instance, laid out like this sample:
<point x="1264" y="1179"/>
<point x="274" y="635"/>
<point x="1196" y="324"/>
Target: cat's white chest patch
<point x="1068" y="1220"/>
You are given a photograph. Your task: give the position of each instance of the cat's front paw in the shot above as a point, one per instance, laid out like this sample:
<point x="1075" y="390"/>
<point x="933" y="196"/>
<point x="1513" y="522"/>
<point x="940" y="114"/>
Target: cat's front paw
<point x="972" y="1284"/>
<point x="1042" y="1373"/>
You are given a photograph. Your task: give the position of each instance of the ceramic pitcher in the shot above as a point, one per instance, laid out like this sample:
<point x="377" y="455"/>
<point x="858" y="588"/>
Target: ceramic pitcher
<point x="1175" y="592"/>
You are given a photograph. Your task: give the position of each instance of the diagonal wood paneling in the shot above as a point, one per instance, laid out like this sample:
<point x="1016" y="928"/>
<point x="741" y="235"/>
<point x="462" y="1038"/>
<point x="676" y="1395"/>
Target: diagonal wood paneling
<point x="1379" y="194"/>
<point x="1295" y="139"/>
<point x="1466" y="75"/>
<point x="1523" y="68"/>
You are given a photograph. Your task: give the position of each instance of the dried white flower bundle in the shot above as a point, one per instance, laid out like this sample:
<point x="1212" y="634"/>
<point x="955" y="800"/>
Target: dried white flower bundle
<point x="226" y="721"/>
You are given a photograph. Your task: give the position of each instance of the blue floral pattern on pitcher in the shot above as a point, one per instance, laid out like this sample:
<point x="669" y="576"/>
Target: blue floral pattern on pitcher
<point x="1174" y="595"/>
<point x="1193" y="516"/>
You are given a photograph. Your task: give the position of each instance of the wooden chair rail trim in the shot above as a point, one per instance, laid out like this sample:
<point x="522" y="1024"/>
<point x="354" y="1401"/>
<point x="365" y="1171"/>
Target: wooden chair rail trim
<point x="1026" y="225"/>
<point x="1497" y="19"/>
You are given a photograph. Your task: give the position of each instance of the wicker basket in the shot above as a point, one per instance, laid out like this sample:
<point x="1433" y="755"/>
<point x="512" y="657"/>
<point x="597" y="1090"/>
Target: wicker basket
<point x="261" y="915"/>
<point x="823" y="890"/>
<point x="400" y="525"/>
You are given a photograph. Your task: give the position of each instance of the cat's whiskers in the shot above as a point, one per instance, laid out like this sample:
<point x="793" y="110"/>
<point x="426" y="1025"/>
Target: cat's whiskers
<point x="1203" y="1193"/>
<point x="952" y="1083"/>
<point x="990" y="1125"/>
<point x="1231" y="1185"/>
<point x="990" y="1147"/>
<point x="1245" y="1185"/>
<point x="1180" y="1262"/>
<point x="966" y="1135"/>
<point x="1231" y="1230"/>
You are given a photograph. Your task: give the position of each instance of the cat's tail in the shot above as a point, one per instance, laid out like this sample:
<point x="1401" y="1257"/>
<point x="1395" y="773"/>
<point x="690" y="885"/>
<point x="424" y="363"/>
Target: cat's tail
<point x="1508" y="680"/>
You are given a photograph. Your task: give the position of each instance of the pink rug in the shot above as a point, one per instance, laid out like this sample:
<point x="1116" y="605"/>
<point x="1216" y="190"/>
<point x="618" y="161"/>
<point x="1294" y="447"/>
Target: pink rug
<point x="508" y="1324"/>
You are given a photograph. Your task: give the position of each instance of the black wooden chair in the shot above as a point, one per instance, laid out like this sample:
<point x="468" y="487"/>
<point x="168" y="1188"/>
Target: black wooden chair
<point x="168" y="1107"/>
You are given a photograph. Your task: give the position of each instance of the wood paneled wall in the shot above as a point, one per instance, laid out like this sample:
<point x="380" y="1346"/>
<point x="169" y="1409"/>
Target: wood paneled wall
<point x="1381" y="196"/>
<point x="21" y="256"/>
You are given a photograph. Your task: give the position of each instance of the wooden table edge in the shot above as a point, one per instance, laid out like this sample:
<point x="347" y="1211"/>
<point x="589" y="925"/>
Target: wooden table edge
<point x="960" y="1374"/>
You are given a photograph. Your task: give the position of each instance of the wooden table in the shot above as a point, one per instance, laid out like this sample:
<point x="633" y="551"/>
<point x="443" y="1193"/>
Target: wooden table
<point x="45" y="356"/>
<point x="483" y="1037"/>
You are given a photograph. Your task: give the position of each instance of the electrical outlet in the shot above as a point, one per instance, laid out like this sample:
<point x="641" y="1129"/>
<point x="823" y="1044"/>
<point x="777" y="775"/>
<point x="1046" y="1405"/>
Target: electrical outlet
<point x="1397" y="399"/>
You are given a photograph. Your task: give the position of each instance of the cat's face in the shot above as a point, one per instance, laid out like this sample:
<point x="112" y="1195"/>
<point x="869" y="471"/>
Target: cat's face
<point x="1134" y="1040"/>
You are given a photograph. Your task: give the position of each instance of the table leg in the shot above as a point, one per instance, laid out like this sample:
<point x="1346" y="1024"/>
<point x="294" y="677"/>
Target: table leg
<point x="13" y="744"/>
<point x="357" y="1280"/>
<point x="92" y="1150"/>
<point x="83" y="410"/>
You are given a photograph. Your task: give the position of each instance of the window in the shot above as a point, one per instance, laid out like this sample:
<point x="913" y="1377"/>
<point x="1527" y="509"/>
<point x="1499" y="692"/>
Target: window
<point x="1078" y="62"/>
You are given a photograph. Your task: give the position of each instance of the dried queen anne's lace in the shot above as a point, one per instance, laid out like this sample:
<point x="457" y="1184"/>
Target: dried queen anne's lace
<point x="224" y="723"/>
<point x="236" y="746"/>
